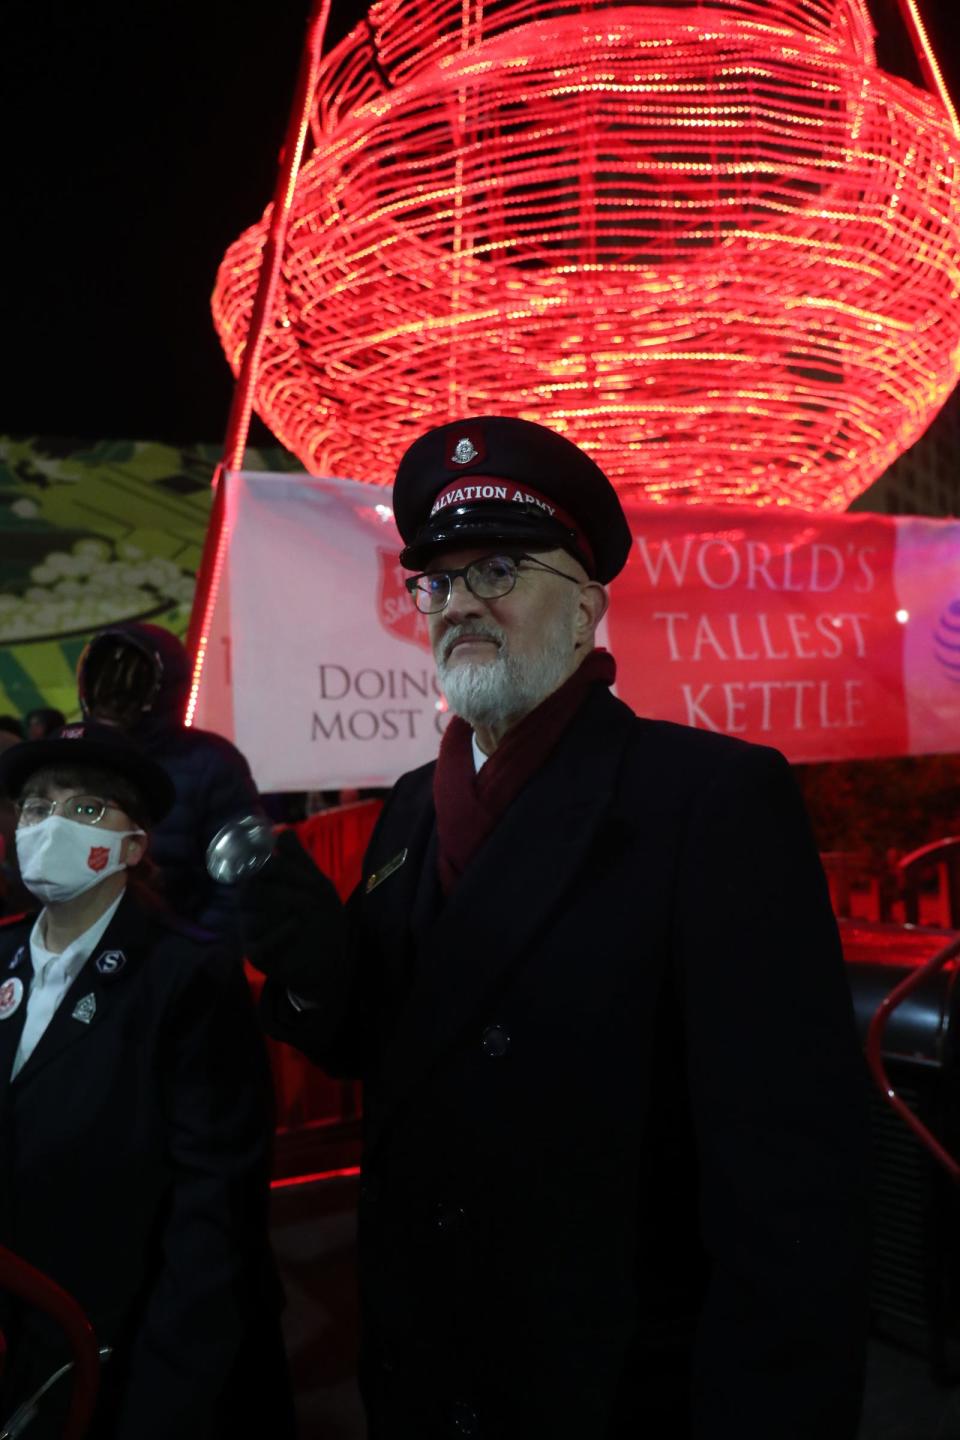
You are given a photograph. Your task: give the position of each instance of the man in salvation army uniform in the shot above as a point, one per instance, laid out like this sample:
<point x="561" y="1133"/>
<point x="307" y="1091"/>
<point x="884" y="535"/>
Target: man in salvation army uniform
<point x="614" y="1178"/>
<point x="135" y="1118"/>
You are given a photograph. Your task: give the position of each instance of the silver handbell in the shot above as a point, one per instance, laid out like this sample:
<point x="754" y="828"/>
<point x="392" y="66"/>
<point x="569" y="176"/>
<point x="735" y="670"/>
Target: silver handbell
<point x="239" y="849"/>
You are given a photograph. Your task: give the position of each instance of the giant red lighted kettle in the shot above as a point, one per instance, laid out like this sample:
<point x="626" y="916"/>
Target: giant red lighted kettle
<point x="714" y="243"/>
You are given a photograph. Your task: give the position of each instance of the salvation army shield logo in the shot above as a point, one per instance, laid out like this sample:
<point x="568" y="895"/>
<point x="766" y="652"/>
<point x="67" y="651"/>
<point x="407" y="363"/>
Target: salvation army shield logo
<point x="396" y="609"/>
<point x="98" y="857"/>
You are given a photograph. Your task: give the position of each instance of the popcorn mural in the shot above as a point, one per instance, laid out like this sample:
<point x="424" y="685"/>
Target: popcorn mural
<point x="92" y="534"/>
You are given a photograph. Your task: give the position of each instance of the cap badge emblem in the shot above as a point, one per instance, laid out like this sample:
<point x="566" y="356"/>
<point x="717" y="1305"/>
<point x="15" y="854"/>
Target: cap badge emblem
<point x="463" y="452"/>
<point x="85" y="1009"/>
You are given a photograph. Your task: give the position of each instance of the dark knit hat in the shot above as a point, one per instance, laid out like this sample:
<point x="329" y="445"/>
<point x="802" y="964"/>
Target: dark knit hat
<point x="507" y="482"/>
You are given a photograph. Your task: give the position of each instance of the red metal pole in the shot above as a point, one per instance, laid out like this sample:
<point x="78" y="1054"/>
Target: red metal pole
<point x="238" y="424"/>
<point x="875" y="1057"/>
<point x="929" y="65"/>
<point x="241" y="408"/>
<point x="203" y="596"/>
<point x="38" y="1290"/>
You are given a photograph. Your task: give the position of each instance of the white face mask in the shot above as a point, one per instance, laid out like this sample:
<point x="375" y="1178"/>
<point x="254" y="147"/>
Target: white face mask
<point x="61" y="858"/>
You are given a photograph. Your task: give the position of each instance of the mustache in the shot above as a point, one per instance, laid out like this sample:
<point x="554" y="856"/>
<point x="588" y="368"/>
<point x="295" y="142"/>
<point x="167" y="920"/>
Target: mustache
<point x="475" y="629"/>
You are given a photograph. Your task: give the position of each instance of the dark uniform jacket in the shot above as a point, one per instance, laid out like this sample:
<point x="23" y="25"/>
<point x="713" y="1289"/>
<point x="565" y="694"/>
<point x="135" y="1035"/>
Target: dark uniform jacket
<point x="134" y="1170"/>
<point x="614" y="1171"/>
<point x="213" y="787"/>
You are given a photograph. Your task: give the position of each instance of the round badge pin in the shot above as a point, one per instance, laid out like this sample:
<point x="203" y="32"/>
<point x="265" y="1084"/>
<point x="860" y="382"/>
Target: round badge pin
<point x="11" y="993"/>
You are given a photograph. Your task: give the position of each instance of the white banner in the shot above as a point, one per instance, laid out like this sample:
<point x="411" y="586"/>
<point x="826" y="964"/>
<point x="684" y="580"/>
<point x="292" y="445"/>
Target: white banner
<point x="828" y="636"/>
<point x="315" y="639"/>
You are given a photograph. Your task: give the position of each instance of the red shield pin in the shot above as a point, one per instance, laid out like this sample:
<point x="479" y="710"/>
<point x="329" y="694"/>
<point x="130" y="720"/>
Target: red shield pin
<point x="98" y="857"/>
<point x="11" y="993"/>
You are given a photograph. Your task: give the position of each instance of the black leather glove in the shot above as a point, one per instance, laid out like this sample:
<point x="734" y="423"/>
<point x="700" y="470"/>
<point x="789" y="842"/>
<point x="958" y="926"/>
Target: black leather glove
<point x="292" y="923"/>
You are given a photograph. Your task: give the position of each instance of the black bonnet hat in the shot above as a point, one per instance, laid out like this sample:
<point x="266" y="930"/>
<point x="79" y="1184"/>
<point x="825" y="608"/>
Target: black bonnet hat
<point x="506" y="481"/>
<point x="99" y="747"/>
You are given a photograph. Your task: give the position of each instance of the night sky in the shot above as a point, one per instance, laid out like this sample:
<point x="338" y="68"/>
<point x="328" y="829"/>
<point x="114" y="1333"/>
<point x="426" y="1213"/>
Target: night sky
<point x="140" y="142"/>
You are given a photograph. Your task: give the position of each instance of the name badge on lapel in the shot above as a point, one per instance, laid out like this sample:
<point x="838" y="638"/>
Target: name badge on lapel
<point x="384" y="873"/>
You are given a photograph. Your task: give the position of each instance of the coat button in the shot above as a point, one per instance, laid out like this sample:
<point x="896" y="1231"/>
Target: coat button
<point x="496" y="1041"/>
<point x="448" y="1217"/>
<point x="465" y="1419"/>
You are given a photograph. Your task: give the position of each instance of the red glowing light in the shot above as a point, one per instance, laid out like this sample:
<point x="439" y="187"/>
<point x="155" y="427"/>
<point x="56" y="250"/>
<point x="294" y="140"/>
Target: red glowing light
<point x="208" y="589"/>
<point x="318" y="1177"/>
<point x="714" y="244"/>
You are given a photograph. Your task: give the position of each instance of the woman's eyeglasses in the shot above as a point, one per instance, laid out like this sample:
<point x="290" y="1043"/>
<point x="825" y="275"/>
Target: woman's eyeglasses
<point x="85" y="809"/>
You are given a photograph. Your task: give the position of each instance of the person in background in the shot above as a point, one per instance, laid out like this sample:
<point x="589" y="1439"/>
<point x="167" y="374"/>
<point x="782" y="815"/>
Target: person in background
<point x="44" y="721"/>
<point x="137" y="677"/>
<point x="614" y="1178"/>
<point x="135" y="1117"/>
<point x="14" y="899"/>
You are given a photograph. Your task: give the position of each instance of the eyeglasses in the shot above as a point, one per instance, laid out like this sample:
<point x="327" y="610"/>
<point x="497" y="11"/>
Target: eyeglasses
<point x="85" y="809"/>
<point x="488" y="579"/>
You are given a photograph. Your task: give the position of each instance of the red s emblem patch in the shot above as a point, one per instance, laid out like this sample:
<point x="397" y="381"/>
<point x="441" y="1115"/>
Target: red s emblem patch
<point x="98" y="857"/>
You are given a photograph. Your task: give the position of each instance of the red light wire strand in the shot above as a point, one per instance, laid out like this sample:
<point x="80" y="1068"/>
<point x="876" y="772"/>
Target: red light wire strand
<point x="241" y="408"/>
<point x="215" y="548"/>
<point x="349" y="1172"/>
<point x="875" y="1057"/>
<point x="929" y="64"/>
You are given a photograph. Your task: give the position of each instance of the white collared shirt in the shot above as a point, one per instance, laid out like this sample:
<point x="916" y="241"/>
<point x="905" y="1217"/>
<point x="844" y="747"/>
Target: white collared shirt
<point x="479" y="759"/>
<point x="52" y="977"/>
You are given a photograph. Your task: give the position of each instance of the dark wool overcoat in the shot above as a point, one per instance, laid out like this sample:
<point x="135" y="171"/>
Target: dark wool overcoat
<point x="614" y="1178"/>
<point x="134" y="1170"/>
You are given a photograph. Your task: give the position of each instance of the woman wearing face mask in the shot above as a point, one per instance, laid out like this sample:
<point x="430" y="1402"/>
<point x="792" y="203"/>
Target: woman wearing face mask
<point x="135" y="1118"/>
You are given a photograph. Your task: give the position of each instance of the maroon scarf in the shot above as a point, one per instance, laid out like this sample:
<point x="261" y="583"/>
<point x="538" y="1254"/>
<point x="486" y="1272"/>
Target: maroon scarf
<point x="469" y="804"/>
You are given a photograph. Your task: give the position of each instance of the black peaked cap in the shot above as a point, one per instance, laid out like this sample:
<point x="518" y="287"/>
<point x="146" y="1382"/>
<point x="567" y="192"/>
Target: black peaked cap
<point x="450" y="462"/>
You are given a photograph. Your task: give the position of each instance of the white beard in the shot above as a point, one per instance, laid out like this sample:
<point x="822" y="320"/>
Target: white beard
<point x="504" y="689"/>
